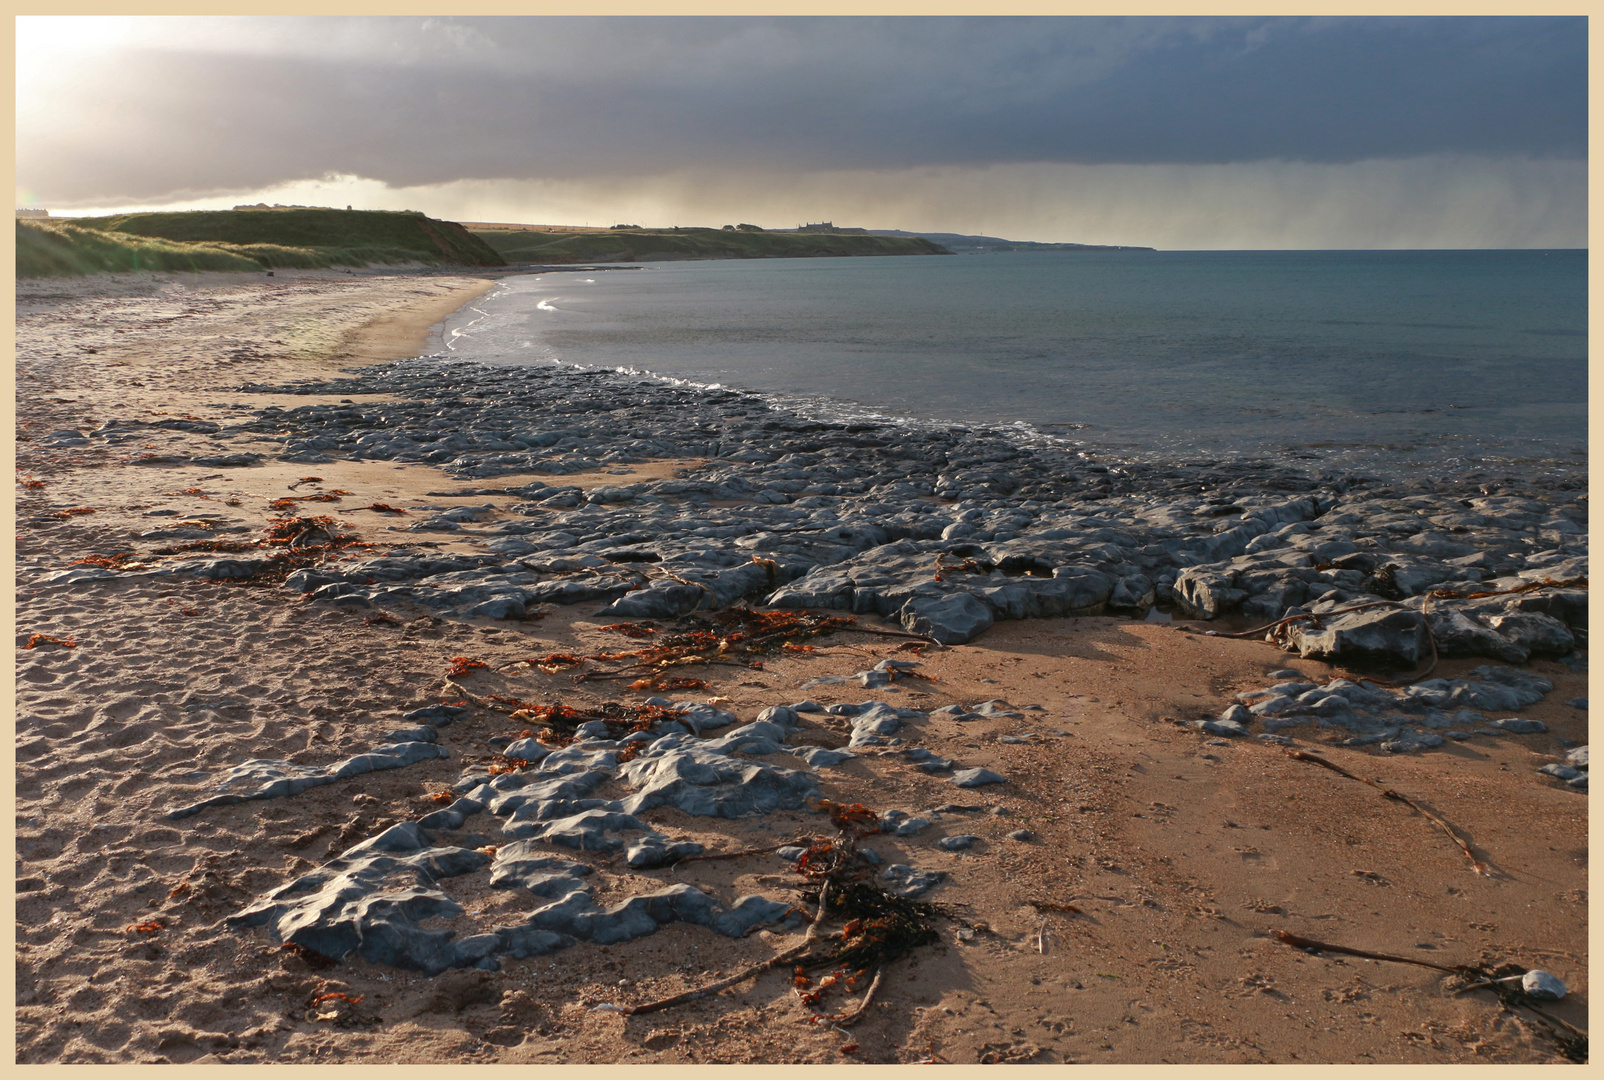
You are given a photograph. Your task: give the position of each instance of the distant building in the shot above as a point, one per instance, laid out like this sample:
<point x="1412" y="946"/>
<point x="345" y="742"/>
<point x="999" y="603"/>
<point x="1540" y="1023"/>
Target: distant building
<point x="830" y="227"/>
<point x="21" y="213"/>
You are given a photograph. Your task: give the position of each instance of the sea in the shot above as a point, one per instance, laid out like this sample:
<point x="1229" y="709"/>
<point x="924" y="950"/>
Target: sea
<point x="1380" y="362"/>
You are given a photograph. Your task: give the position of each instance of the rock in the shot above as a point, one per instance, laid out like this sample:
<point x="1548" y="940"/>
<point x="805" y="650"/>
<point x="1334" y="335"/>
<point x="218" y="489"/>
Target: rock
<point x="1560" y="772"/>
<point x="1520" y="726"/>
<point x="817" y="757"/>
<point x="1207" y="592"/>
<point x="969" y="778"/>
<point x="1412" y="742"/>
<point x="1542" y="986"/>
<point x="951" y="619"/>
<point x="957" y="843"/>
<point x="1223" y="727"/>
<point x="1535" y="633"/>
<point x="1021" y="835"/>
<point x="1578" y="703"/>
<point x="266" y="779"/>
<point x="1392" y="635"/>
<point x="905" y="881"/>
<point x="500" y="607"/>
<point x="348" y="906"/>
<point x="1577" y="757"/>
<point x="676" y="771"/>
<point x="655" y="850"/>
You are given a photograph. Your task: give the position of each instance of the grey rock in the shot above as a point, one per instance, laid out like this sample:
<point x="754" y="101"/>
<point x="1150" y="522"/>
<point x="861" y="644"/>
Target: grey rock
<point x="952" y="619"/>
<point x="957" y="843"/>
<point x="817" y="757"/>
<point x="905" y="881"/>
<point x="1516" y="725"/>
<point x="969" y="778"/>
<point x="655" y="850"/>
<point x="267" y="779"/>
<point x="1560" y="772"/>
<point x="1577" y="757"/>
<point x="1412" y="742"/>
<point x="1223" y="727"/>
<point x="1396" y="635"/>
<point x="676" y="771"/>
<point x="348" y="905"/>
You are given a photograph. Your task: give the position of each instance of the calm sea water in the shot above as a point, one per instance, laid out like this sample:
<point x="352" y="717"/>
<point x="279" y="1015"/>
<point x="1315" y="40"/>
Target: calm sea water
<point x="1383" y="360"/>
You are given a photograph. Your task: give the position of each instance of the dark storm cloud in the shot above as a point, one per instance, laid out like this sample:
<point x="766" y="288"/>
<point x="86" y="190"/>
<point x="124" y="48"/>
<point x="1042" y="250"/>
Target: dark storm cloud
<point x="415" y="102"/>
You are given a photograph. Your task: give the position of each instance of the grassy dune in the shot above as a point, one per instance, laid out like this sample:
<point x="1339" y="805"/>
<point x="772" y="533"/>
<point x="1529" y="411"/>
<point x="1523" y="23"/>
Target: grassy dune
<point x="244" y="240"/>
<point x="647" y="245"/>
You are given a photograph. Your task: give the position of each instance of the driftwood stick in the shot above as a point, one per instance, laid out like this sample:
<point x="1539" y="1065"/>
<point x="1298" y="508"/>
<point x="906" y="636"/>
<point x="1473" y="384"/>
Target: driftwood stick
<point x="737" y="854"/>
<point x="1320" y="946"/>
<point x="1481" y="867"/>
<point x="713" y="988"/>
<point x="1456" y="969"/>
<point x="863" y="1006"/>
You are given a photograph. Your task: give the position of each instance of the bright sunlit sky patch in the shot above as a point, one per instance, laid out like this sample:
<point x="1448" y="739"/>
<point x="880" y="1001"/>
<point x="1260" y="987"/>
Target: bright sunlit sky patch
<point x="1175" y="133"/>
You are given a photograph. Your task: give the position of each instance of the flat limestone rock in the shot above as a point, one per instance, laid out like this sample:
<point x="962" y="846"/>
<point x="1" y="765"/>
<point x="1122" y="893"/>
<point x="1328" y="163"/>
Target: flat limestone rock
<point x="265" y="779"/>
<point x="676" y="771"/>
<point x="952" y="619"/>
<point x="968" y="778"/>
<point x="347" y="905"/>
<point x="1395" y="635"/>
<point x="905" y="881"/>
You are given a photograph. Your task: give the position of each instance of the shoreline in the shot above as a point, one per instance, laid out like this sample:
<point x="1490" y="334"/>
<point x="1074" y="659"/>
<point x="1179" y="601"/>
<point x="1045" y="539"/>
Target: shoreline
<point x="1366" y="434"/>
<point x="1155" y="829"/>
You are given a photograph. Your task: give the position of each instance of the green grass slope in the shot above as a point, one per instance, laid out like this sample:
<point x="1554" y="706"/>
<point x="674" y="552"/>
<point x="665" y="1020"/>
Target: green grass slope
<point x="309" y="236"/>
<point x="647" y="245"/>
<point x="59" y="249"/>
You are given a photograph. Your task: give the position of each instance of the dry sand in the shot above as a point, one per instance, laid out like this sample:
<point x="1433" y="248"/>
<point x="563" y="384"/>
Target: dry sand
<point x="1180" y="853"/>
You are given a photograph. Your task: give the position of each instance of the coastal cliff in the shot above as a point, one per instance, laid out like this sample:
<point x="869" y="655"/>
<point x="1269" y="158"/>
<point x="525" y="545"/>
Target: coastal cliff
<point x="665" y="245"/>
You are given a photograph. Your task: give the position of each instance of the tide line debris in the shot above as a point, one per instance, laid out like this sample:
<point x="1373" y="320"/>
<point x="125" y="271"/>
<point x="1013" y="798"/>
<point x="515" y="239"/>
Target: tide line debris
<point x="1481" y="867"/>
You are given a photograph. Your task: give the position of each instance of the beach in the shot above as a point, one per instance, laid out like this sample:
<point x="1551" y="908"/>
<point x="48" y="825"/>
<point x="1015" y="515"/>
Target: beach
<point x="1112" y="896"/>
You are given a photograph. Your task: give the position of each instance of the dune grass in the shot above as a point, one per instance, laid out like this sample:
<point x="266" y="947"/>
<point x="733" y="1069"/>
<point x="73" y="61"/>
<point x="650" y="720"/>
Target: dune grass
<point x="244" y="240"/>
<point x="424" y="239"/>
<point x="58" y="250"/>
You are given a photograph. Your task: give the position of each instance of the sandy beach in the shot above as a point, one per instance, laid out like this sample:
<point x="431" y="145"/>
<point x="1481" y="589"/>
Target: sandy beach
<point x="1117" y="901"/>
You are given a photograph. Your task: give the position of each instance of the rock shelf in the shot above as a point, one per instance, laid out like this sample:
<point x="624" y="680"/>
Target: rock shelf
<point x="946" y="529"/>
<point x="356" y="902"/>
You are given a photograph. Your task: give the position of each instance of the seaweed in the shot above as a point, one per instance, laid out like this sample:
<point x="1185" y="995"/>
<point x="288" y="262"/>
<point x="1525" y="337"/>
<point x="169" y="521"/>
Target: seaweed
<point x="461" y="665"/>
<point x="36" y="640"/>
<point x="105" y="562"/>
<point x="879" y="927"/>
<point x="737" y="637"/>
<point x="638" y="631"/>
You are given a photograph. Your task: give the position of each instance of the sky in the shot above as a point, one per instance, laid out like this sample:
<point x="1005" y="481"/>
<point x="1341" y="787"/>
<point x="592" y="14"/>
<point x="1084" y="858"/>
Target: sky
<point x="1165" y="132"/>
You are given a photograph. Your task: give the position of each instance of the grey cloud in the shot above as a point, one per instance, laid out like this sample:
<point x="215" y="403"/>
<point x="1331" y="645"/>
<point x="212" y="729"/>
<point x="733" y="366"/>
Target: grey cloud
<point x="413" y="102"/>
